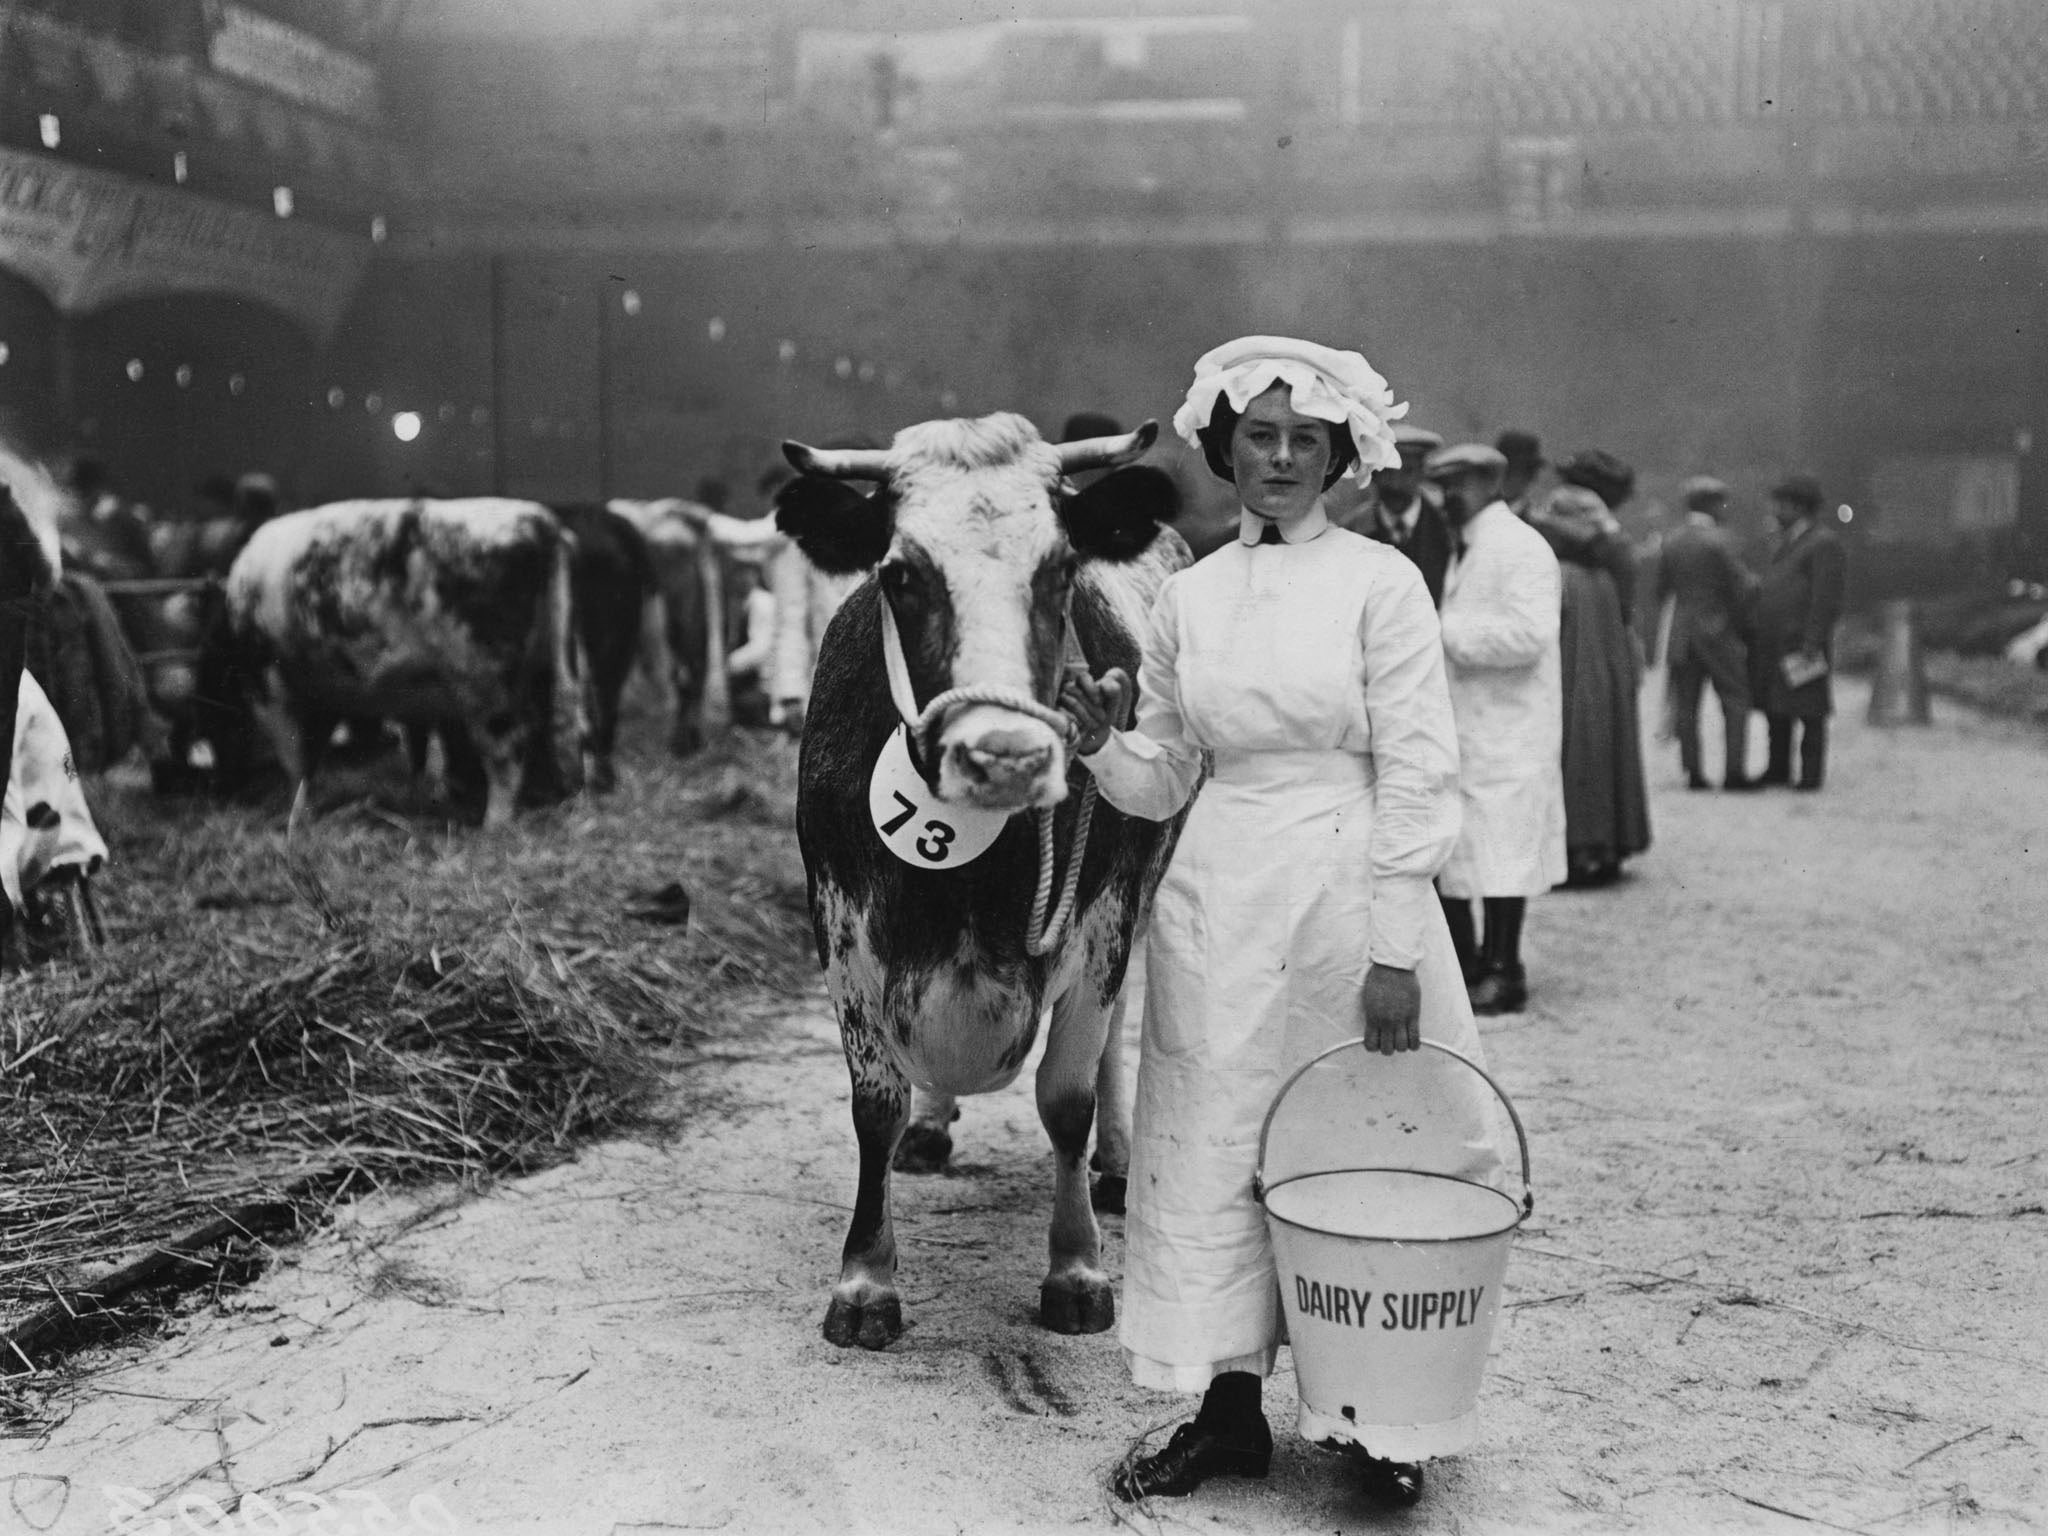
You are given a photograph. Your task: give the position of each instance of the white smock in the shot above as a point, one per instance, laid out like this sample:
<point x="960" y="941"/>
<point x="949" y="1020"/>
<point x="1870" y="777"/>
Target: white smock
<point x="1312" y="673"/>
<point x="1501" y="612"/>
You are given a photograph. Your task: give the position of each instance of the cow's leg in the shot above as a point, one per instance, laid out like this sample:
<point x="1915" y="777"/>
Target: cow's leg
<point x="1112" y="1160"/>
<point x="1076" y="1296"/>
<point x="866" y="1308"/>
<point x="503" y="740"/>
<point x="927" y="1143"/>
<point x="273" y="710"/>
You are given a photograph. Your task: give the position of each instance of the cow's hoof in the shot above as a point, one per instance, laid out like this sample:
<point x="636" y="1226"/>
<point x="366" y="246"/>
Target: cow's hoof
<point x="874" y="1324"/>
<point x="924" y="1149"/>
<point x="1076" y="1304"/>
<point x="1106" y="1194"/>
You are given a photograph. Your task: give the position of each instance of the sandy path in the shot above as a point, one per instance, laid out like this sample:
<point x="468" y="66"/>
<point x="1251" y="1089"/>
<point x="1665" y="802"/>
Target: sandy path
<point x="1784" y="1087"/>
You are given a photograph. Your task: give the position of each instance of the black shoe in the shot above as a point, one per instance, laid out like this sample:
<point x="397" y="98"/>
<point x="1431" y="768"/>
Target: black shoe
<point x="1501" y="992"/>
<point x="1697" y="781"/>
<point x="1736" y="786"/>
<point x="1194" y="1454"/>
<point x="1808" y="785"/>
<point x="1392" y="1482"/>
<point x="1773" y="781"/>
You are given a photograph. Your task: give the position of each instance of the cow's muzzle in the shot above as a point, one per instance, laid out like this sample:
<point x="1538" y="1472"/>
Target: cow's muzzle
<point x="999" y="760"/>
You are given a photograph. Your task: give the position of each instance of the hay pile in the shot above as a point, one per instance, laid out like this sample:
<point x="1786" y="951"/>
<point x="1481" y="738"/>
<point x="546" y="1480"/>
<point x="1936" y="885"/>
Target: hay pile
<point x="279" y="1023"/>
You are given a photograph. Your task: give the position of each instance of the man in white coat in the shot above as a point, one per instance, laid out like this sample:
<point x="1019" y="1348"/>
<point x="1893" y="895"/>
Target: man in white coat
<point x="1500" y="633"/>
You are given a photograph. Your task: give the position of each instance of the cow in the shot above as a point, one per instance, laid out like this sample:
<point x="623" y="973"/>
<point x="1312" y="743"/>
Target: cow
<point x="989" y="575"/>
<point x="612" y="585"/>
<point x="687" y="610"/>
<point x="454" y="614"/>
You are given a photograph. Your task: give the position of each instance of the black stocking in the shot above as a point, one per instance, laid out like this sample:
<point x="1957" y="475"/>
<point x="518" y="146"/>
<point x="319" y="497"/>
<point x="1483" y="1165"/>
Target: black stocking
<point x="1464" y="938"/>
<point x="1504" y="932"/>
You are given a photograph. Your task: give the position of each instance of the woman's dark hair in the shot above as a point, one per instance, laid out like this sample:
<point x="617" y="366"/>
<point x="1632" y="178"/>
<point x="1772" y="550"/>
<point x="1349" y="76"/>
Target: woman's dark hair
<point x="1601" y="473"/>
<point x="1215" y="440"/>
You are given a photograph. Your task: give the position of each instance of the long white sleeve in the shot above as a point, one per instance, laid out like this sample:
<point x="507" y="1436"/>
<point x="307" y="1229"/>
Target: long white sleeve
<point x="1152" y="770"/>
<point x="1416" y="812"/>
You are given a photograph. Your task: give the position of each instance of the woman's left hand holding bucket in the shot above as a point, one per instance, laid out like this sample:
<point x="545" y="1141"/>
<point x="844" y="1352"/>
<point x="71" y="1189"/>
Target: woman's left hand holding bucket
<point x="1393" y="1010"/>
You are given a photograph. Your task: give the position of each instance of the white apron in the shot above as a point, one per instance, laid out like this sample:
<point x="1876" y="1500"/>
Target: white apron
<point x="1313" y="676"/>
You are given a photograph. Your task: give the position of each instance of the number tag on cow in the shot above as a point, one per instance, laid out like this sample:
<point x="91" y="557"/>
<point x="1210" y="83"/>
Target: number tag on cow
<point x="917" y="826"/>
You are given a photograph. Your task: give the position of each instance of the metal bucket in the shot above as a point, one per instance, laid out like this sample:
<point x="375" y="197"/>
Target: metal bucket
<point x="1391" y="1279"/>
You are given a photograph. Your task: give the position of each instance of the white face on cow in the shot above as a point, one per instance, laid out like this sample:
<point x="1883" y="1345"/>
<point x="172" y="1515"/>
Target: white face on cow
<point x="977" y="575"/>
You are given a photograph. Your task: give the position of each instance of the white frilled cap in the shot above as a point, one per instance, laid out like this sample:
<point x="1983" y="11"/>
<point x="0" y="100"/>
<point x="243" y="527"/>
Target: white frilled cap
<point x="1323" y="382"/>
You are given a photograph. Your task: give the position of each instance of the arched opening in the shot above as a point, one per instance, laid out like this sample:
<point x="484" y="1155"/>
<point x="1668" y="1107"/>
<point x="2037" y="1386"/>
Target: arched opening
<point x="171" y="389"/>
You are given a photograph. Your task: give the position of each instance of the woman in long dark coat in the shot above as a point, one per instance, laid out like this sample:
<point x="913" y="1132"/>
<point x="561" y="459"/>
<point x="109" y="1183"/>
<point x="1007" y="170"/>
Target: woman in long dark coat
<point x="1607" y="806"/>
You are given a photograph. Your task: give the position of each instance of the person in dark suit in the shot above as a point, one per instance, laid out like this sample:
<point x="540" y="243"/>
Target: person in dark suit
<point x="1524" y="453"/>
<point x="1711" y="590"/>
<point x="1406" y="510"/>
<point x="1797" y="606"/>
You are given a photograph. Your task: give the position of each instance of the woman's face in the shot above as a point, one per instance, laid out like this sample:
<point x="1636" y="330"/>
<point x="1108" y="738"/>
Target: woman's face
<point x="1279" y="457"/>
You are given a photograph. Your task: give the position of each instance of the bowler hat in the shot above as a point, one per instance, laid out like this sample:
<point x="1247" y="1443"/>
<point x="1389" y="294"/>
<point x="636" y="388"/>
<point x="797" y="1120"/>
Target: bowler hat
<point x="1520" y="447"/>
<point x="1800" y="490"/>
<point x="1703" y="491"/>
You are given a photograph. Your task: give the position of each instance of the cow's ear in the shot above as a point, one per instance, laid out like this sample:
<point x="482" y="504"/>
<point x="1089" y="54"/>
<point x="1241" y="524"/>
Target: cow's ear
<point x="1118" y="516"/>
<point x="839" y="530"/>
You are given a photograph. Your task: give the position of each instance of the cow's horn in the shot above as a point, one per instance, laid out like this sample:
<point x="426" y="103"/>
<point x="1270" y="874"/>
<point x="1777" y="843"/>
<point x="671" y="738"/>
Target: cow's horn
<point x="838" y="463"/>
<point x="1107" y="452"/>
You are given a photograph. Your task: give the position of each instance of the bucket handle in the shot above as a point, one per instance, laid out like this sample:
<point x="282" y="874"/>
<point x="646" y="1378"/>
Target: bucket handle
<point x="1521" y="1136"/>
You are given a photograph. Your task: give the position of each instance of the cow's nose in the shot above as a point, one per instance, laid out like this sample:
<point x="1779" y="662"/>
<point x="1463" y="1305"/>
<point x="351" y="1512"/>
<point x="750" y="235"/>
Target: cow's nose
<point x="1002" y="765"/>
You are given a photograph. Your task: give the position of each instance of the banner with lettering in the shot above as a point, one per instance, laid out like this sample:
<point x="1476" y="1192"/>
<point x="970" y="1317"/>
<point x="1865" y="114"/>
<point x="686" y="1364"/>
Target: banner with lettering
<point x="292" y="63"/>
<point x="89" y="239"/>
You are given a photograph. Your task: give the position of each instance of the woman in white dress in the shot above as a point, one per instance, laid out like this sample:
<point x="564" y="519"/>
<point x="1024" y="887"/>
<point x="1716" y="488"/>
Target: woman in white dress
<point x="1305" y="662"/>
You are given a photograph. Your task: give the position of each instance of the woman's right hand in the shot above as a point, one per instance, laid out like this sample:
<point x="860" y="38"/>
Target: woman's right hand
<point x="1096" y="705"/>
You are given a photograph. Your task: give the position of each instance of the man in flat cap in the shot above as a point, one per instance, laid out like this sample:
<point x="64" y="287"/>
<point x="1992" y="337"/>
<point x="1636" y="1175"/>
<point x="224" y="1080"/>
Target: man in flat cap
<point x="1500" y="634"/>
<point x="1404" y="509"/>
<point x="1711" y="591"/>
<point x="1796" y="611"/>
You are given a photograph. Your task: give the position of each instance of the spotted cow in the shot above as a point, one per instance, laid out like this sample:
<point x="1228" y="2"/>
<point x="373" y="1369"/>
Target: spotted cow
<point x="995" y="573"/>
<point x="452" y="614"/>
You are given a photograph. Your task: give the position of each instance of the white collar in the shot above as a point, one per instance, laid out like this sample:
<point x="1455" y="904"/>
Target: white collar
<point x="1250" y="526"/>
<point x="1702" y="519"/>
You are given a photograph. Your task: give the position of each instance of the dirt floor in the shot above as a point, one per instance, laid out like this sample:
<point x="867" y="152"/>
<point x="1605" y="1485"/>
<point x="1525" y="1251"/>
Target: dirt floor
<point x="1789" y="1267"/>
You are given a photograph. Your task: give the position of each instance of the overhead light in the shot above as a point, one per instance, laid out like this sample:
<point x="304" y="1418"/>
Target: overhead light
<point x="1846" y="513"/>
<point x="183" y="375"/>
<point x="281" y="201"/>
<point x="373" y="403"/>
<point x="715" y="329"/>
<point x="134" y="370"/>
<point x="629" y="301"/>
<point x="52" y="130"/>
<point x="379" y="230"/>
<point x="5" y="353"/>
<point x="844" y="367"/>
<point x="337" y="397"/>
<point x="405" y="426"/>
<point x="237" y="383"/>
<point x="181" y="168"/>
<point x="785" y="351"/>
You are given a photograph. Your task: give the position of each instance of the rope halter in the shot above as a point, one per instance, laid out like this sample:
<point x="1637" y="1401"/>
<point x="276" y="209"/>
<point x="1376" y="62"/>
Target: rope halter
<point x="1042" y="933"/>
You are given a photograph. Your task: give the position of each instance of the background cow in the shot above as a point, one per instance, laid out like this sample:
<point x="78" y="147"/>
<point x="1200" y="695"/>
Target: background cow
<point x="450" y="614"/>
<point x="612" y="584"/>
<point x="981" y="551"/>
